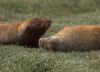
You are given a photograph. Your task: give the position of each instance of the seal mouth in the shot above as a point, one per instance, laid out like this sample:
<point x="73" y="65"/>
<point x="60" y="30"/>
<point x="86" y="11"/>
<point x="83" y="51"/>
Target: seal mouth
<point x="48" y="43"/>
<point x="43" y="42"/>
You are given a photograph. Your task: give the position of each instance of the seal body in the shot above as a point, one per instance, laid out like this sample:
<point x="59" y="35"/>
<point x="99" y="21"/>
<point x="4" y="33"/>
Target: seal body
<point x="26" y="33"/>
<point x="73" y="38"/>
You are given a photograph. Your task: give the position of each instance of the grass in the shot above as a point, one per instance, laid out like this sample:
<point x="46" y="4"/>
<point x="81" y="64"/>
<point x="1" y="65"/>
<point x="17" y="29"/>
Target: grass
<point x="63" y="12"/>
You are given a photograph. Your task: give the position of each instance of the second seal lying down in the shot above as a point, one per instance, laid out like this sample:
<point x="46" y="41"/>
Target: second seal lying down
<point x="73" y="38"/>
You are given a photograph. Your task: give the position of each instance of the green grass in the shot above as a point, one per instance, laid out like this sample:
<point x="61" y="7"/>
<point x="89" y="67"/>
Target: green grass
<point x="62" y="12"/>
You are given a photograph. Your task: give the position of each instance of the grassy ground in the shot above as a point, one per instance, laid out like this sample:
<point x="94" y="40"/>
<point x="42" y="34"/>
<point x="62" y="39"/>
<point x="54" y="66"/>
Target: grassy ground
<point x="62" y="12"/>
